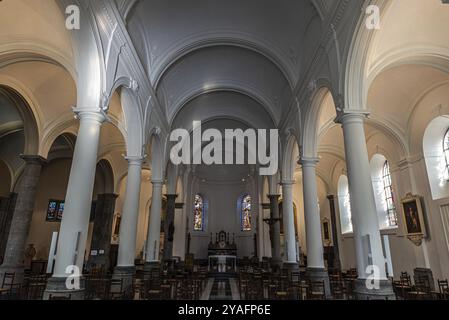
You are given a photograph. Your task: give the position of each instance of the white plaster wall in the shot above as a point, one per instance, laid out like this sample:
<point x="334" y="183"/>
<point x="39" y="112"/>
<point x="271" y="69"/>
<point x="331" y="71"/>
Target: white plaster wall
<point x="222" y="215"/>
<point x="50" y="187"/>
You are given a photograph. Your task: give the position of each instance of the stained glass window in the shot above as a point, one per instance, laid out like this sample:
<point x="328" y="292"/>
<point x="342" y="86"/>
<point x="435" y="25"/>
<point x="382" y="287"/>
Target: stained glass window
<point x="51" y="210"/>
<point x="389" y="196"/>
<point x="198" y="214"/>
<point x="246" y="213"/>
<point x="344" y="202"/>
<point x="347" y="205"/>
<point x="446" y="151"/>
<point x="55" y="210"/>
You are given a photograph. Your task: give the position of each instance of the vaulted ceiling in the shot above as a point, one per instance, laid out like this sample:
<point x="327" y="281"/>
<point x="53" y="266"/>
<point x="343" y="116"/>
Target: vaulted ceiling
<point x="10" y="119"/>
<point x="253" y="48"/>
<point x="12" y="137"/>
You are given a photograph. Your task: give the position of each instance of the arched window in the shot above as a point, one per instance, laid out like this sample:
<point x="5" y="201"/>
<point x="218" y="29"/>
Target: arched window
<point x="389" y="196"/>
<point x="245" y="214"/>
<point x="198" y="213"/>
<point x="344" y="202"/>
<point x="446" y="151"/>
<point x="383" y="192"/>
<point x="347" y="206"/>
<point x="436" y="154"/>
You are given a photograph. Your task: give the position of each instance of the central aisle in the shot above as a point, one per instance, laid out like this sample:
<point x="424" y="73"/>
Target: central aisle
<point x="221" y="289"/>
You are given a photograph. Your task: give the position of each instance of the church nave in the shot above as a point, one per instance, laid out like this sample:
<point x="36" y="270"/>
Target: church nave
<point x="208" y="150"/>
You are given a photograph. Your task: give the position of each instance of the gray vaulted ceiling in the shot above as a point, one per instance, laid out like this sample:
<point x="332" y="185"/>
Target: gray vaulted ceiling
<point x="253" y="48"/>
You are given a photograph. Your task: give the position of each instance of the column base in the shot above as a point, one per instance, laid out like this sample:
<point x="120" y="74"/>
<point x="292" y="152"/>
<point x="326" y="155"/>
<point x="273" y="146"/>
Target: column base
<point x="120" y="272"/>
<point x="19" y="272"/>
<point x="291" y="266"/>
<point x="383" y="292"/>
<point x="320" y="275"/>
<point x="276" y="264"/>
<point x="57" y="287"/>
<point x="126" y="274"/>
<point x="151" y="265"/>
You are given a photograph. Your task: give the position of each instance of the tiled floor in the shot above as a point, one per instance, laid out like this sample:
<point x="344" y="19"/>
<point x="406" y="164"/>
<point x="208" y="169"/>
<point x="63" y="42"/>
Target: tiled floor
<point x="221" y="289"/>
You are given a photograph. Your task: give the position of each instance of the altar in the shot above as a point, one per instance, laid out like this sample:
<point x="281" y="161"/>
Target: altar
<point x="222" y="264"/>
<point x="222" y="253"/>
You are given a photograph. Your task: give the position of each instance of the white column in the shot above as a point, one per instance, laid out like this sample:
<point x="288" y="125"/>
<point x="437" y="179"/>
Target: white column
<point x="367" y="238"/>
<point x="130" y="216"/>
<point x="154" y="229"/>
<point x="315" y="258"/>
<point x="75" y="221"/>
<point x="289" y="221"/>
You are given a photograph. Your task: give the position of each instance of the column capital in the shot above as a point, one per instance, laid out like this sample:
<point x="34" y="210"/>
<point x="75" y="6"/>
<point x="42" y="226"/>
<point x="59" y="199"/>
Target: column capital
<point x="168" y="195"/>
<point x="308" y="161"/>
<point x="288" y="183"/>
<point x="157" y="183"/>
<point x="135" y="160"/>
<point x="93" y="114"/>
<point x="351" y="116"/>
<point x="273" y="196"/>
<point x="330" y="197"/>
<point x="34" y="159"/>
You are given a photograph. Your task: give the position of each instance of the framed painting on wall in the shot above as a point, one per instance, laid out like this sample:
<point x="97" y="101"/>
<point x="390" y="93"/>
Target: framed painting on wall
<point x="116" y="233"/>
<point x="413" y="217"/>
<point x="326" y="232"/>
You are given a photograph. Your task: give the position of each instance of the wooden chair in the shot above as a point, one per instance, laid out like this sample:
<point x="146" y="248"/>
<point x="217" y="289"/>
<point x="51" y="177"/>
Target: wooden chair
<point x="137" y="289"/>
<point x="8" y="280"/>
<point x="421" y="290"/>
<point x="7" y="284"/>
<point x="272" y="289"/>
<point x="443" y="286"/>
<point x="352" y="273"/>
<point x="317" y="290"/>
<point x="36" y="291"/>
<point x="295" y="277"/>
<point x="12" y="292"/>
<point x="349" y="287"/>
<point x="89" y="293"/>
<point x="102" y="288"/>
<point x="152" y="289"/>
<point x="337" y="287"/>
<point x="403" y="286"/>
<point x="166" y="290"/>
<point x="32" y="287"/>
<point x="60" y="298"/>
<point x="281" y="295"/>
<point x="116" y="291"/>
<point x="244" y="284"/>
<point x="303" y="290"/>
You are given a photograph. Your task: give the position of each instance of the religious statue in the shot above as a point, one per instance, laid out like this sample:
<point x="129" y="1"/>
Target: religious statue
<point x="30" y="253"/>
